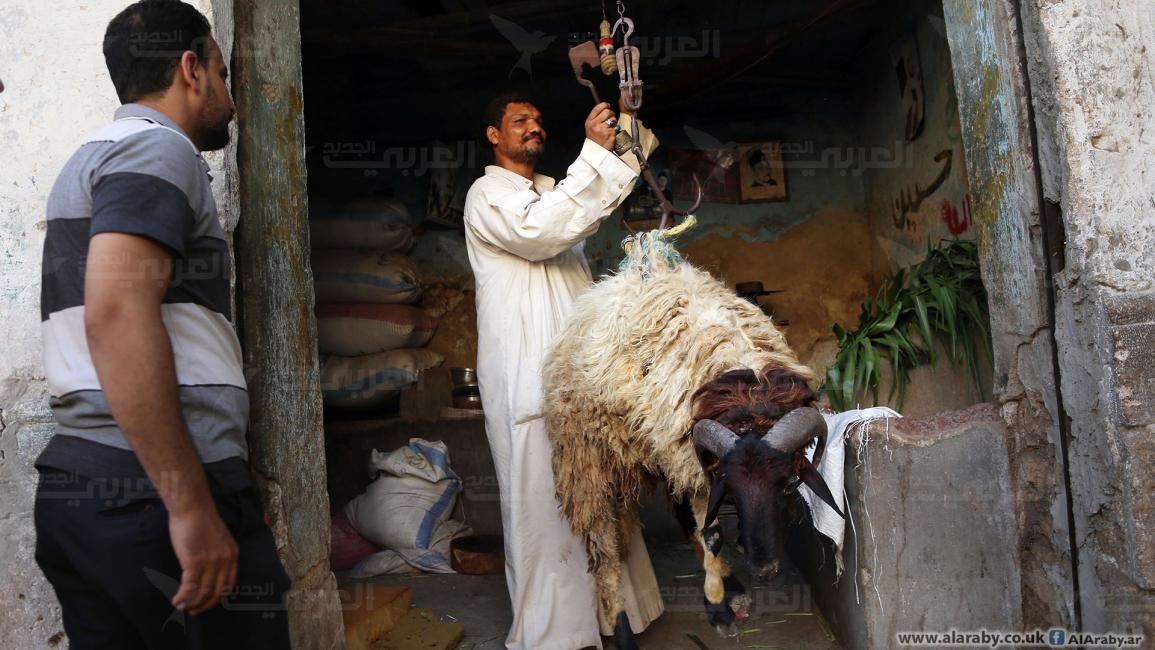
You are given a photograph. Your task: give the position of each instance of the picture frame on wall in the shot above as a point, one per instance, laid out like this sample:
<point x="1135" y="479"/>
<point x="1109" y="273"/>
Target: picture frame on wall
<point x="761" y="174"/>
<point x="714" y="169"/>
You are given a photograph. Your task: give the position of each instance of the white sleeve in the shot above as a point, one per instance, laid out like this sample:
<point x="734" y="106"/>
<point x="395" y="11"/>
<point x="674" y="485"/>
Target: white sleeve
<point x="538" y="227"/>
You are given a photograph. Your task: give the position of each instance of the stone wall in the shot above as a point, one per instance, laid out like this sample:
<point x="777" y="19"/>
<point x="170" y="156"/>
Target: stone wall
<point x="1091" y="70"/>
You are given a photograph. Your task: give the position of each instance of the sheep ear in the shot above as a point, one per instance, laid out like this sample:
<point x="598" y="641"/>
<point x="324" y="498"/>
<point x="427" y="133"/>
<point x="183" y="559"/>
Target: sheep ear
<point x="813" y="480"/>
<point x="717" y="492"/>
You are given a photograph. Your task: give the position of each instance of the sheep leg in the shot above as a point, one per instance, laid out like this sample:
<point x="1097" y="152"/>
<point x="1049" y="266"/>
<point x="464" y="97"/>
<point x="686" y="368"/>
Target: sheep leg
<point x="725" y="598"/>
<point x="606" y="552"/>
<point x="623" y="636"/>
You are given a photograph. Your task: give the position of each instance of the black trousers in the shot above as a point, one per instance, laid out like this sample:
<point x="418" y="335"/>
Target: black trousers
<point x="106" y="551"/>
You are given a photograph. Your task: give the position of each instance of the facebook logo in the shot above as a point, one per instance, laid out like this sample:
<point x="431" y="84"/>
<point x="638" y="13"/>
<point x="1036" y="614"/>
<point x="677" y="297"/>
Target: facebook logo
<point x="1056" y="637"/>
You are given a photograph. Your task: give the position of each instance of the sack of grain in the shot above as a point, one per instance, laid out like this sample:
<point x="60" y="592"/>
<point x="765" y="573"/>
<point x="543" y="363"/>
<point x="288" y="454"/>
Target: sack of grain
<point x="352" y="328"/>
<point x="372" y="380"/>
<point x="364" y="276"/>
<point x="379" y="223"/>
<point x="414" y="491"/>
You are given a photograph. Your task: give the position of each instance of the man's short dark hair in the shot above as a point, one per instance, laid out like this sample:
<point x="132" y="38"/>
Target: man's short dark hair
<point x="144" y="43"/>
<point x="495" y="109"/>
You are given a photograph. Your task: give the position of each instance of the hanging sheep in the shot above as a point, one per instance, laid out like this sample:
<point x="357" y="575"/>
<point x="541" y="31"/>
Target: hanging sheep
<point x="663" y="370"/>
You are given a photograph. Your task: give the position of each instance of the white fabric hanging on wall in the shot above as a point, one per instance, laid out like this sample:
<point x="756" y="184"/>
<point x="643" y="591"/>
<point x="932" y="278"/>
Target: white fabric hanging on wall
<point x="831" y="466"/>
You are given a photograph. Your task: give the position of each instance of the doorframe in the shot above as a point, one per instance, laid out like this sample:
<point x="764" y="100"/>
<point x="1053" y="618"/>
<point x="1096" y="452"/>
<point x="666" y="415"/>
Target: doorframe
<point x="1016" y="239"/>
<point x="278" y="328"/>
<point x="275" y="319"/>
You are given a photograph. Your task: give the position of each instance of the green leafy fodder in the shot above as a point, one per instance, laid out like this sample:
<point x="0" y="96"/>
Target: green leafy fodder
<point x="940" y="299"/>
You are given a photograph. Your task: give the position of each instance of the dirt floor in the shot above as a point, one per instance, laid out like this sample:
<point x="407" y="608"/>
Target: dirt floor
<point x="784" y="615"/>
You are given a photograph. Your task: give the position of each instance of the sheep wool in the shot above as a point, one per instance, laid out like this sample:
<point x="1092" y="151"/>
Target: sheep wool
<point x="619" y="378"/>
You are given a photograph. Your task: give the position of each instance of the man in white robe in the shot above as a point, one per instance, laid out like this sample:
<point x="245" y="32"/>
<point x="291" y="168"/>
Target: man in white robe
<point x="524" y="235"/>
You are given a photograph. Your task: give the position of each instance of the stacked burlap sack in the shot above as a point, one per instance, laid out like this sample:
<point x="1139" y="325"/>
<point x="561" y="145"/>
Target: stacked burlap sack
<point x="370" y="331"/>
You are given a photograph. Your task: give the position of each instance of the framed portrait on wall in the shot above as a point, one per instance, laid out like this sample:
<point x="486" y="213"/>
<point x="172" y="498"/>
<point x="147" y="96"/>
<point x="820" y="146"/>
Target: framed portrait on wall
<point x="761" y="175"/>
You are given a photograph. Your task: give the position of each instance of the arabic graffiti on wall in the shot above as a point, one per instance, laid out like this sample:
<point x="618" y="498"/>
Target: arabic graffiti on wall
<point x="958" y="224"/>
<point x="909" y="200"/>
<point x="908" y="71"/>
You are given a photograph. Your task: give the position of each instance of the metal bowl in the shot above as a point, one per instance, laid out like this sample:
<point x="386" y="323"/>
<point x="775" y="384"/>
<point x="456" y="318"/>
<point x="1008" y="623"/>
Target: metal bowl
<point x="463" y="376"/>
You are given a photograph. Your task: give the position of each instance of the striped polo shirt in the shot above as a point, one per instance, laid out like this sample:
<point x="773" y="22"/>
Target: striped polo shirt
<point x="141" y="175"/>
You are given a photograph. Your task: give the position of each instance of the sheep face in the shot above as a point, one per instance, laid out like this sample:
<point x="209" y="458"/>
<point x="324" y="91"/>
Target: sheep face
<point x="757" y="478"/>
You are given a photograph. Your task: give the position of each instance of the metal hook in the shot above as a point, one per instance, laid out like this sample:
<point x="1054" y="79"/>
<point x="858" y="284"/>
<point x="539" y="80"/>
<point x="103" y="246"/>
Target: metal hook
<point x="631" y="87"/>
<point x="628" y="25"/>
<point x="667" y="207"/>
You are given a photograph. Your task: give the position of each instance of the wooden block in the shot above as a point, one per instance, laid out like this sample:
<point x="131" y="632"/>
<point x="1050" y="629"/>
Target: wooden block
<point x="451" y="413"/>
<point x="370" y="611"/>
<point x="422" y="630"/>
<point x="434" y="391"/>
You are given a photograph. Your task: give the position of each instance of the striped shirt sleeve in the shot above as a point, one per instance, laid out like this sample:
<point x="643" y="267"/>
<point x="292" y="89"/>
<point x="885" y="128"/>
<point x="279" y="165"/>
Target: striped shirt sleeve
<point x="140" y="189"/>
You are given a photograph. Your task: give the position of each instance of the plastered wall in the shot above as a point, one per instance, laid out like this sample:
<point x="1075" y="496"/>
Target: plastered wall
<point x="56" y="90"/>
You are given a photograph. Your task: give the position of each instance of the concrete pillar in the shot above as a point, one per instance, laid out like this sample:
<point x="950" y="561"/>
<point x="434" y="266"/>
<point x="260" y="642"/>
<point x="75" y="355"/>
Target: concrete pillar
<point x="931" y="545"/>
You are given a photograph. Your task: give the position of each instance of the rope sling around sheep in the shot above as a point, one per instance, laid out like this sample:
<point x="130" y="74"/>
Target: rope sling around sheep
<point x="643" y="248"/>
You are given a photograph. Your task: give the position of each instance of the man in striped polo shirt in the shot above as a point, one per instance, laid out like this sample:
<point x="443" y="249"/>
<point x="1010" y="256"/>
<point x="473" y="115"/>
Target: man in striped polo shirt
<point x="148" y="524"/>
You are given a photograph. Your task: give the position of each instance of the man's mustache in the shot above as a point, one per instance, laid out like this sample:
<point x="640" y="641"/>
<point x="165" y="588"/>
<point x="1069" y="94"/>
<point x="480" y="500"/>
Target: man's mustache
<point x="531" y="136"/>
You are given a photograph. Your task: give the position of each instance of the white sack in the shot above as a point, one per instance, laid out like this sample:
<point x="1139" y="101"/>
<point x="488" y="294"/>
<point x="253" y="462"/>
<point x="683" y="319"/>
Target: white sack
<point x="414" y="494"/>
<point x="435" y="559"/>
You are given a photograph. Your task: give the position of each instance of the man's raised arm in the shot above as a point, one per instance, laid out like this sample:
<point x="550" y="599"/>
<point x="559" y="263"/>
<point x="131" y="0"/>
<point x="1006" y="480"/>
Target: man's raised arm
<point x="539" y="227"/>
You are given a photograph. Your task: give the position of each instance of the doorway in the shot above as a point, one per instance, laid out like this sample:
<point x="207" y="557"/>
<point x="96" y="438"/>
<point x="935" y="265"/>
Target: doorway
<point x="828" y="88"/>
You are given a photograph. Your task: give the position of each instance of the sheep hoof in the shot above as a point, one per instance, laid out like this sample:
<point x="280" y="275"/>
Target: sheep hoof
<point x="734" y="608"/>
<point x="727" y="631"/>
<point x="623" y="635"/>
<point x="720" y="615"/>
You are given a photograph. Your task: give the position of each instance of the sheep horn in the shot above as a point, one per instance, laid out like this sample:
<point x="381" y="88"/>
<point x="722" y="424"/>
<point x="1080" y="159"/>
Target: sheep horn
<point x="713" y="437"/>
<point x="795" y="429"/>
